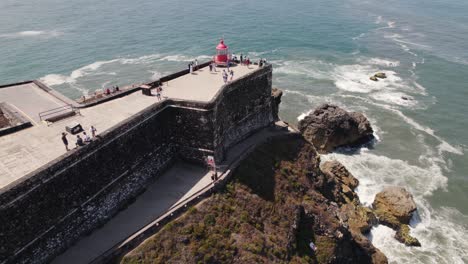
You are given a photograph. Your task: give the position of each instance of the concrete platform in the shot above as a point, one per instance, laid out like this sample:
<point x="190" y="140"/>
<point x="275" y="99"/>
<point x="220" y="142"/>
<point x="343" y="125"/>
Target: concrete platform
<point x="24" y="151"/>
<point x="27" y="150"/>
<point x="202" y="85"/>
<point x="30" y="100"/>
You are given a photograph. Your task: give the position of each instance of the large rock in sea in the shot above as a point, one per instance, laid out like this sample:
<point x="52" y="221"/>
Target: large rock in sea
<point x="330" y="126"/>
<point x="394" y="207"/>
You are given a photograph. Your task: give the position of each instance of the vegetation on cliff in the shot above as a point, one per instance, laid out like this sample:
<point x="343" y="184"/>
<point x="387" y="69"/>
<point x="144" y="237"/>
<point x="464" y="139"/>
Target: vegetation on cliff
<point x="276" y="204"/>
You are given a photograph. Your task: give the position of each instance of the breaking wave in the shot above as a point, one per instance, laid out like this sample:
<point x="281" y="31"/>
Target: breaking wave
<point x="93" y="69"/>
<point x="32" y="33"/>
<point x="182" y="58"/>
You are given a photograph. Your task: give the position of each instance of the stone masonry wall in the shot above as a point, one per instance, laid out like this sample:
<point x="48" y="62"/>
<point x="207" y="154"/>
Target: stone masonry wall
<point x="244" y="108"/>
<point x="46" y="211"/>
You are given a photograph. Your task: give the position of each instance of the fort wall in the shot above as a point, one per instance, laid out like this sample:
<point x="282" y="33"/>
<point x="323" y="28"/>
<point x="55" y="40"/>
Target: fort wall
<point x="46" y="211"/>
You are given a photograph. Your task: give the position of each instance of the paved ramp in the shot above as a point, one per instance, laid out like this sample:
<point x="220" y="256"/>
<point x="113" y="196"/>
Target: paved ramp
<point x="178" y="182"/>
<point x="29" y="100"/>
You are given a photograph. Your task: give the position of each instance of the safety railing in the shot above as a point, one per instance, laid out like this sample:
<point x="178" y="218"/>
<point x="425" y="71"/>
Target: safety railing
<point x="58" y="113"/>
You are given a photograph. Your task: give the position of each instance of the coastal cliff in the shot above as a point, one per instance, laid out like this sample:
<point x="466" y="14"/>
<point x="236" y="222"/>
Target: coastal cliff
<point x="278" y="202"/>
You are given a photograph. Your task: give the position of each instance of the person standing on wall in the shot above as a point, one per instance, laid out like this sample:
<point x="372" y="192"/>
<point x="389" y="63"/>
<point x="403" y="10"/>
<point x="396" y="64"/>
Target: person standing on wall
<point x="65" y="141"/>
<point x="225" y="76"/>
<point x="92" y="131"/>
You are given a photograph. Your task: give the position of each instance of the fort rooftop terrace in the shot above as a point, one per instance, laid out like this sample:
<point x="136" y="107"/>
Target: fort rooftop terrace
<point x="27" y="150"/>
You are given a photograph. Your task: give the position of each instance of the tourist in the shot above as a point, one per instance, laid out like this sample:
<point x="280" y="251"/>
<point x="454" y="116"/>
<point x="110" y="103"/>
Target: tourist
<point x="191" y="68"/>
<point x="65" y="141"/>
<point x="214" y="67"/>
<point x="79" y="141"/>
<point x="158" y="93"/>
<point x="196" y="64"/>
<point x="117" y="88"/>
<point x="232" y="74"/>
<point x="211" y="67"/>
<point x="108" y="91"/>
<point x="260" y="63"/>
<point x="92" y="131"/>
<point x="225" y="76"/>
<point x="241" y="59"/>
<point x="86" y="137"/>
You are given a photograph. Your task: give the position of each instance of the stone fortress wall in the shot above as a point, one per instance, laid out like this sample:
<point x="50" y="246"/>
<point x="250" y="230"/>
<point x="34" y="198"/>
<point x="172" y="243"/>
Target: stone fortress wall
<point x="46" y="211"/>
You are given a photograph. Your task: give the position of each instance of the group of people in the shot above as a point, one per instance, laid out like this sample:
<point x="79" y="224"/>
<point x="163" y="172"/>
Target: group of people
<point x="80" y="141"/>
<point x="229" y="72"/>
<point x="244" y="60"/>
<point x="114" y="89"/>
<point x="212" y="66"/>
<point x="191" y="66"/>
<point x="261" y="62"/>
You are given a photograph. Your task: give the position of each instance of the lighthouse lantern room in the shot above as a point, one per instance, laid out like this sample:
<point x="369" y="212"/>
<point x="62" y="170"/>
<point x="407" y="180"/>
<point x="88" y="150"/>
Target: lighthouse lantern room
<point x="222" y="57"/>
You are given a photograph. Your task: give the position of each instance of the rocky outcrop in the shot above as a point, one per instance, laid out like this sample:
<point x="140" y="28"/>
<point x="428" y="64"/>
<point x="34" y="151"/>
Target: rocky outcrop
<point x="394" y="207"/>
<point x="329" y="127"/>
<point x="380" y="75"/>
<point x="276" y="95"/>
<point x="340" y="186"/>
<point x="340" y="183"/>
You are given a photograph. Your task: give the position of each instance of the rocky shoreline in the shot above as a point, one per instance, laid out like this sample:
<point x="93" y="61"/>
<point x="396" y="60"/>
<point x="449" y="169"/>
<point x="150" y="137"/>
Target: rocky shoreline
<point x="284" y="205"/>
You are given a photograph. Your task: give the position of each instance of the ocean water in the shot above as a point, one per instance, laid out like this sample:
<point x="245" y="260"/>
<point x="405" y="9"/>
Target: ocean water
<point x="322" y="51"/>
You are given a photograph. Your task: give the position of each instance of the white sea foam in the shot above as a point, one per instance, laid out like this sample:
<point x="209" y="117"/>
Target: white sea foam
<point x="383" y="62"/>
<point x="260" y="53"/>
<point x="359" y="36"/>
<point x="378" y="20"/>
<point x="397" y="98"/>
<point x="181" y="58"/>
<point x="355" y="78"/>
<point x="155" y="75"/>
<point x="442" y="238"/>
<point x="374" y="172"/>
<point x="32" y="33"/>
<point x="316" y="69"/>
<point x="444" y="145"/>
<point x="141" y="60"/>
<point x="57" y="79"/>
<point x="303" y="115"/>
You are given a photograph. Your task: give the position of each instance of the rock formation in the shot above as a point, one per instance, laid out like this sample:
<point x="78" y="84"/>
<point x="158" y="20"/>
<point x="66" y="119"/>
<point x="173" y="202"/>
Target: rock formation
<point x="329" y="127"/>
<point x="394" y="207"/>
<point x="358" y="219"/>
<point x="381" y="75"/>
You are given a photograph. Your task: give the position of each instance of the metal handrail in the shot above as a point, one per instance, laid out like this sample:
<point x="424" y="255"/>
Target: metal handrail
<point x="55" y="110"/>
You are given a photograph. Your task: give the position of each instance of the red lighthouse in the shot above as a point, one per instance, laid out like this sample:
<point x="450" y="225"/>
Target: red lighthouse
<point x="222" y="54"/>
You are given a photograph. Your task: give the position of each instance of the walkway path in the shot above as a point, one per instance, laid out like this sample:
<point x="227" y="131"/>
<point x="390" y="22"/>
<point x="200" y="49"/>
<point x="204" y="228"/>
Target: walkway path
<point x="178" y="184"/>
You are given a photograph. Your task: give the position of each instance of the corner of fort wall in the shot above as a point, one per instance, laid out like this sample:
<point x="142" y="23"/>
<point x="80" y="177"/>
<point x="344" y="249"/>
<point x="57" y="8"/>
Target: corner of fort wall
<point x="48" y="210"/>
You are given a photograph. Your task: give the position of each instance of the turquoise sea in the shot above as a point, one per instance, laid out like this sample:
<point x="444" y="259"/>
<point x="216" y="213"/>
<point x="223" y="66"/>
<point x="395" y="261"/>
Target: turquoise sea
<point x="322" y="51"/>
